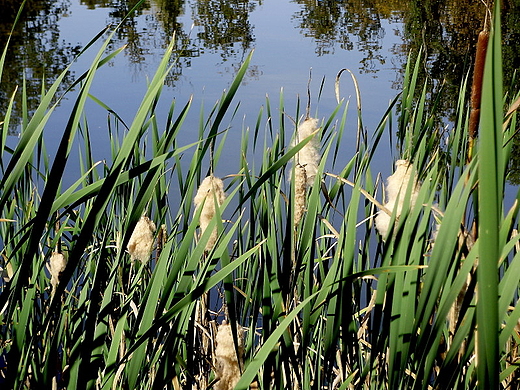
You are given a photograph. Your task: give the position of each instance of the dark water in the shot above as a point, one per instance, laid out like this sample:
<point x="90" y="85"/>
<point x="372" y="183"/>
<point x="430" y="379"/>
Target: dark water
<point x="289" y="38"/>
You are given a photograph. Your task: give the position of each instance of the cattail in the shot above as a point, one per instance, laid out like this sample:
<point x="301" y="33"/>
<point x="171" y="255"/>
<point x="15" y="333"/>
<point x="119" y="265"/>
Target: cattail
<point x="435" y="233"/>
<point x="476" y="87"/>
<point x="306" y="163"/>
<point x="141" y="242"/>
<point x="308" y="156"/>
<point x="382" y="220"/>
<point x="211" y="189"/>
<point x="398" y="182"/>
<point x="228" y="357"/>
<point x="396" y="186"/>
<point x="162" y="236"/>
<point x="300" y="190"/>
<point x="57" y="264"/>
<point x="7" y="270"/>
<point x="476" y="90"/>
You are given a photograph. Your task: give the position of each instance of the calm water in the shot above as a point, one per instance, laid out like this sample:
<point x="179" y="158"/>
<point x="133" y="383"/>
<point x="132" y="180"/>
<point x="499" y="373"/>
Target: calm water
<point x="289" y="38"/>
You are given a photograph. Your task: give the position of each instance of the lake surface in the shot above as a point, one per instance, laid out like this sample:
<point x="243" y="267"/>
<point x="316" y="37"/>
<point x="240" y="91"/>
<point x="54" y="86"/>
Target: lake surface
<point x="290" y="39"/>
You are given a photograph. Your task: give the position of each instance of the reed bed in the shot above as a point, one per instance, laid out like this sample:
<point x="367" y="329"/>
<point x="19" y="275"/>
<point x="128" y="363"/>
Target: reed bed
<point x="281" y="282"/>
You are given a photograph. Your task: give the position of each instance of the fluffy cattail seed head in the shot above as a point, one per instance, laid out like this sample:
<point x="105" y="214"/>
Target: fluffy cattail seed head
<point x="399" y="181"/>
<point x="382" y="220"/>
<point x="210" y="190"/>
<point x="141" y="242"/>
<point x="300" y="192"/>
<point x="57" y="264"/>
<point x="228" y="357"/>
<point x="308" y="156"/>
<point x="396" y="187"/>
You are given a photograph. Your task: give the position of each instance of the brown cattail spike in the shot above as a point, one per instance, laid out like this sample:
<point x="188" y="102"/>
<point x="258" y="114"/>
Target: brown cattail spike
<point x="476" y="88"/>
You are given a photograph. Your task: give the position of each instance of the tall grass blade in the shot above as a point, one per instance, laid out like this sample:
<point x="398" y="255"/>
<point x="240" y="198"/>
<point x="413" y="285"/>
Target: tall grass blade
<point x="491" y="194"/>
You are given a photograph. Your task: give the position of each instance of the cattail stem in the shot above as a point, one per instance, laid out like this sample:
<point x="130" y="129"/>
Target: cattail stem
<point x="204" y="346"/>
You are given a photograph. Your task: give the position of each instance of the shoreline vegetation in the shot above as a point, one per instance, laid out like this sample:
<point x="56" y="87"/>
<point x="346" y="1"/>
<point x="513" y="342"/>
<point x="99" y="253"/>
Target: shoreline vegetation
<point x="277" y="276"/>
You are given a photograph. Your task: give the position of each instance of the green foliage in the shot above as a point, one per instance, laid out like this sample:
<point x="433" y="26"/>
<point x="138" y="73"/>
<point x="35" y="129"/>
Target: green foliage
<point x="325" y="302"/>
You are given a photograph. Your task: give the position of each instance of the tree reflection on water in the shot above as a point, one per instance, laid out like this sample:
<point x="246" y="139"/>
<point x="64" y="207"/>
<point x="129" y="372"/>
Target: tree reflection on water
<point x="35" y="51"/>
<point x="224" y="24"/>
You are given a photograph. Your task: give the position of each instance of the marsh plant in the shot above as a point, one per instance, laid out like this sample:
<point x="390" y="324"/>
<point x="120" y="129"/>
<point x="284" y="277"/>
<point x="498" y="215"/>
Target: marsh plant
<point x="395" y="191"/>
<point x="142" y="240"/>
<point x="210" y="195"/>
<point x="331" y="279"/>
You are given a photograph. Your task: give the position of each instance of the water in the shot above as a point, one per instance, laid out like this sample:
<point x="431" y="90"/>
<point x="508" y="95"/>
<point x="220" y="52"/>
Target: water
<point x="289" y="38"/>
<point x="284" y="55"/>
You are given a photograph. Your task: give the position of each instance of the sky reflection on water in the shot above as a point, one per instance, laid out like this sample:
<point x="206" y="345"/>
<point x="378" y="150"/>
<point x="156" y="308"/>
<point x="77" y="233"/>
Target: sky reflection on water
<point x="283" y="58"/>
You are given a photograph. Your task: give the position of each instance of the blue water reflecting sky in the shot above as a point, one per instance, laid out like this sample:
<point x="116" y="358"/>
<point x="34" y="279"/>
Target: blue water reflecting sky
<point x="283" y="57"/>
